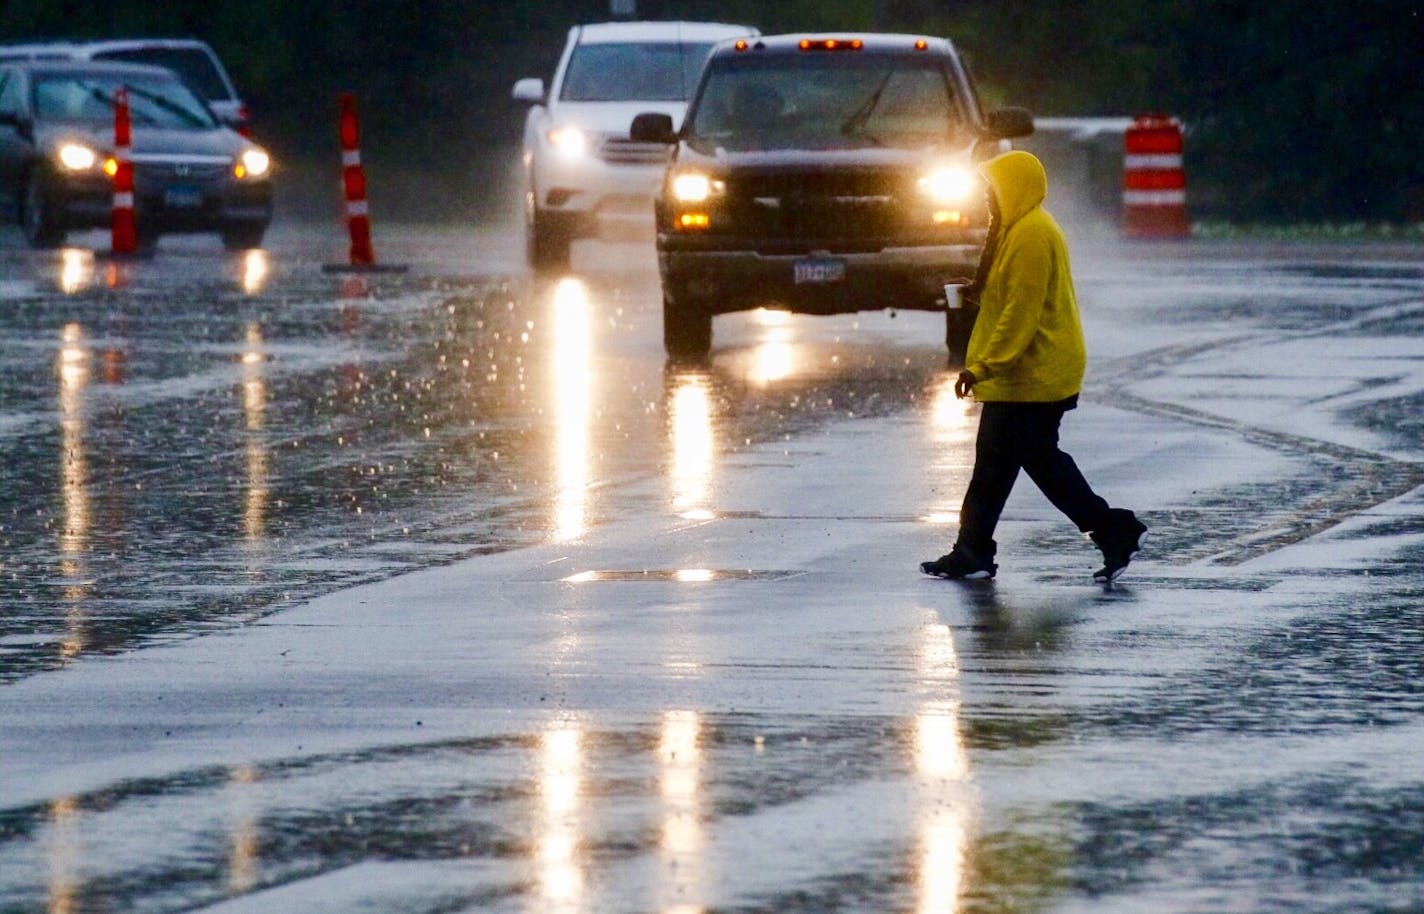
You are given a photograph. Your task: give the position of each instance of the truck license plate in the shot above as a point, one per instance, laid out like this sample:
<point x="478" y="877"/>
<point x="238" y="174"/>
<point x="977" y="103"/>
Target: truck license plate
<point x="819" y="270"/>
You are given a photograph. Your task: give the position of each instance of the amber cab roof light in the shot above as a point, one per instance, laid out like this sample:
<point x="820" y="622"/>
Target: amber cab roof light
<point x="831" y="44"/>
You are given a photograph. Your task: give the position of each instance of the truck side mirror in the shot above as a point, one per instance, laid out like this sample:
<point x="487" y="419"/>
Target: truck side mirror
<point x="652" y="127"/>
<point x="18" y="123"/>
<point x="1009" y="122"/>
<point x="529" y="89"/>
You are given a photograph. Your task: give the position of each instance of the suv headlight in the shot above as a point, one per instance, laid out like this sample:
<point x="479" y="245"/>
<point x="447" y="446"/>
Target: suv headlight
<point x="77" y="157"/>
<point x="253" y="163"/>
<point x="948" y="185"/>
<point x="569" y="141"/>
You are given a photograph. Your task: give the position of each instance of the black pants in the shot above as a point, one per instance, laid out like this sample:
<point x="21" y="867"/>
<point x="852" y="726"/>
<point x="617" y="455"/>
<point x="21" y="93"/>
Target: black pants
<point x="1014" y="436"/>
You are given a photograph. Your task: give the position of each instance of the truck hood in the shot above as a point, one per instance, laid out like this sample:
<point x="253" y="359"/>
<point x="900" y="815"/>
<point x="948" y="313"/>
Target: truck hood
<point x="797" y="159"/>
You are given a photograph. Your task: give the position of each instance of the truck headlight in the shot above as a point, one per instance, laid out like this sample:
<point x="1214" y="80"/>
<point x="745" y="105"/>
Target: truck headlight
<point x="77" y="157"/>
<point x="695" y="187"/>
<point x="947" y="185"/>
<point x="569" y="141"/>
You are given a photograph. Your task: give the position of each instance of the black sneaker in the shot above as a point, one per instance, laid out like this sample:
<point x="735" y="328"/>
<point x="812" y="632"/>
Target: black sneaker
<point x="1120" y="539"/>
<point x="960" y="565"/>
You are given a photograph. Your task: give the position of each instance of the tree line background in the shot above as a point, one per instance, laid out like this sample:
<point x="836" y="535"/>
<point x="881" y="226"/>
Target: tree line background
<point x="1298" y="111"/>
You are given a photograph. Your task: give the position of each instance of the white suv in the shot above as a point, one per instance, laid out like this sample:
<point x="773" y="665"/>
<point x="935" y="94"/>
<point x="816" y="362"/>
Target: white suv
<point x="583" y="176"/>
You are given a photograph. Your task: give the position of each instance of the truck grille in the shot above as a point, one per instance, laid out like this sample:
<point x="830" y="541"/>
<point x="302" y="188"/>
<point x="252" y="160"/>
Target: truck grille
<point x="827" y="205"/>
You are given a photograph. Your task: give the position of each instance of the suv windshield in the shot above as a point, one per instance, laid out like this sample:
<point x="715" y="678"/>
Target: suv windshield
<point x="154" y="101"/>
<point x="624" y="72"/>
<point x="824" y="101"/>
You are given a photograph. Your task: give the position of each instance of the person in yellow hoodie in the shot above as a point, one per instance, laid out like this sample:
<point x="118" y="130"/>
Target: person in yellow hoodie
<point x="1025" y="364"/>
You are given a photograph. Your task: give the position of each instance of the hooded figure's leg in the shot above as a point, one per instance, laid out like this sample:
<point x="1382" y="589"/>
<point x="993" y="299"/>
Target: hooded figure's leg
<point x="997" y="459"/>
<point x="1055" y="472"/>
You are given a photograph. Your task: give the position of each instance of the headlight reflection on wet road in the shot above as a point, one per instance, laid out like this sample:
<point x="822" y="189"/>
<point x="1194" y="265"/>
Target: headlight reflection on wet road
<point x="254" y="271"/>
<point x="254" y="408"/>
<point x="572" y="410"/>
<point x="775" y="357"/>
<point x="64" y="854"/>
<point x="243" y="852"/>
<point x="952" y="430"/>
<point x="76" y="270"/>
<point x="693" y="447"/>
<point x="680" y="784"/>
<point x="560" y="876"/>
<point x="942" y="766"/>
<point x="74" y="374"/>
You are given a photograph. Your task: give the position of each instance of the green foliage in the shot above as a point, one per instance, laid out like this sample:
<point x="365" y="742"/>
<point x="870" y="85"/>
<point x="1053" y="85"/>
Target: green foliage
<point x="1297" y="111"/>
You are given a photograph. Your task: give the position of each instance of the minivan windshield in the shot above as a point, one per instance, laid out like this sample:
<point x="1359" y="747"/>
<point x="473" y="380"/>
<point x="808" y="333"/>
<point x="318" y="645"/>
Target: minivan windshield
<point x="634" y="71"/>
<point x="837" y="100"/>
<point x="154" y="101"/>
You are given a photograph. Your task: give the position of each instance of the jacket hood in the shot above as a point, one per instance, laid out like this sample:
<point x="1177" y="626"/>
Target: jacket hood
<point x="1019" y="183"/>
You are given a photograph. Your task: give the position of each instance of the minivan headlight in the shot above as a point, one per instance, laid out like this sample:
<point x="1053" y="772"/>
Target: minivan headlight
<point x="77" y="157"/>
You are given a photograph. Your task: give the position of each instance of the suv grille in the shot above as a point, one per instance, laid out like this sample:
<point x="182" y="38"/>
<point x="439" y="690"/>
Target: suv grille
<point x="627" y="152"/>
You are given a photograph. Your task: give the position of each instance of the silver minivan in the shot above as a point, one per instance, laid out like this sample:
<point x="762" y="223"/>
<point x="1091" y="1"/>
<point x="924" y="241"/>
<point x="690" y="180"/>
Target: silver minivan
<point x="194" y="61"/>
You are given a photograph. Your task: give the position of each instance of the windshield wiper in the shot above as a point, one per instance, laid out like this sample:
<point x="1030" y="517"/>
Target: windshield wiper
<point x="169" y="105"/>
<point x="851" y="125"/>
<point x="112" y="101"/>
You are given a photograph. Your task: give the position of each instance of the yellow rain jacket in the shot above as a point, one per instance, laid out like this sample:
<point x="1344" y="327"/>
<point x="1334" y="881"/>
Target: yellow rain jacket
<point x="1027" y="343"/>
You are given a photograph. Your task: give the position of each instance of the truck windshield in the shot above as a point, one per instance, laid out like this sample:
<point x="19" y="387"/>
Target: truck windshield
<point x="154" y="101"/>
<point x="634" y="71"/>
<point x="824" y="101"/>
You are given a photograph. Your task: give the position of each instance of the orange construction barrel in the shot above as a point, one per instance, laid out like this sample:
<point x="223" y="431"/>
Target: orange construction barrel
<point x="1154" y="185"/>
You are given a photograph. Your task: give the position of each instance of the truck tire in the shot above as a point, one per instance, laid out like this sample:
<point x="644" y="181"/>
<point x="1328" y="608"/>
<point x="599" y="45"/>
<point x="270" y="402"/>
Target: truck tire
<point x="687" y="327"/>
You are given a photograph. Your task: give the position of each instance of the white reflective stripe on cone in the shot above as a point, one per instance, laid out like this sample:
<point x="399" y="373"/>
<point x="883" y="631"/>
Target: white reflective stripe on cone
<point x="355" y="207"/>
<point x="350" y="157"/>
<point x="1154" y="197"/>
<point x="123" y="201"/>
<point x="1155" y="161"/>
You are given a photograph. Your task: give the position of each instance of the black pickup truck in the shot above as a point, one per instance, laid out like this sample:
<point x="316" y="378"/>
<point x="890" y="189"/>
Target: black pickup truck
<point x="823" y="174"/>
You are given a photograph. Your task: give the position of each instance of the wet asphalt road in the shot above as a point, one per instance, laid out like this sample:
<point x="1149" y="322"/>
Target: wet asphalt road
<point x="200" y="439"/>
<point x="196" y="444"/>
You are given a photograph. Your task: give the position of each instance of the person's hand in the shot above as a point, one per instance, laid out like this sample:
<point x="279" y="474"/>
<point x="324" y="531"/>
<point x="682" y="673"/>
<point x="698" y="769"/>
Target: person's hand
<point x="964" y="384"/>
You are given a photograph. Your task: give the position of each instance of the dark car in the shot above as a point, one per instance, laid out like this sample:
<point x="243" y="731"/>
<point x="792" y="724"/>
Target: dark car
<point x="191" y="173"/>
<point x="824" y="175"/>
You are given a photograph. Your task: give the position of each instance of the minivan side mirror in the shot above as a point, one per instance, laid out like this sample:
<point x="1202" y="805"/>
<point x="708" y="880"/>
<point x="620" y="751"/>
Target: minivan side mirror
<point x="1009" y="122"/>
<point x="529" y="89"/>
<point x="652" y="127"/>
